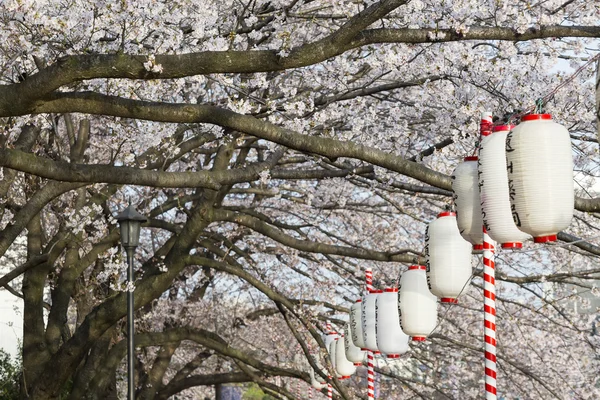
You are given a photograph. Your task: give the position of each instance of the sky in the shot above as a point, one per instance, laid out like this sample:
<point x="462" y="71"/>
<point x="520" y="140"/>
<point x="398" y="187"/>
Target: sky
<point x="11" y="322"/>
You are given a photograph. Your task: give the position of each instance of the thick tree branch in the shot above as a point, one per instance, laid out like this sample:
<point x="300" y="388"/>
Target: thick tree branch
<point x="93" y="103"/>
<point x="70" y="69"/>
<point x="307" y="245"/>
<point x="67" y="172"/>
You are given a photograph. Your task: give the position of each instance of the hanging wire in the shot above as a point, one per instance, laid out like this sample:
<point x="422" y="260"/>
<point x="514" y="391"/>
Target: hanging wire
<point x="542" y="101"/>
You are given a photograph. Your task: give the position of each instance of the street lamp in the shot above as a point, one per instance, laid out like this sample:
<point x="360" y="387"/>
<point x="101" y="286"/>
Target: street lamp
<point x="130" y="222"/>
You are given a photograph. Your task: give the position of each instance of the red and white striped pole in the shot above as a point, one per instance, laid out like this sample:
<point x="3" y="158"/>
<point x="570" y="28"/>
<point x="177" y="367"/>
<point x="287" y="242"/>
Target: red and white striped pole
<point x="370" y="355"/>
<point x="328" y="330"/>
<point x="310" y="392"/>
<point x="489" y="293"/>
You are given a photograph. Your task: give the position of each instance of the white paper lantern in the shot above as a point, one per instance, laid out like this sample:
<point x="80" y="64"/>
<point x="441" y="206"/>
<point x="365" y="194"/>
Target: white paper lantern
<point x="331" y="351"/>
<point x="356" y="324"/>
<point x="316" y="381"/>
<point x="353" y="352"/>
<point x="493" y="190"/>
<point x="417" y="305"/>
<point x="540" y="176"/>
<point x="465" y="185"/>
<point x="343" y="366"/>
<point x="448" y="258"/>
<point x="391" y="340"/>
<point x="329" y="337"/>
<point x="369" y="323"/>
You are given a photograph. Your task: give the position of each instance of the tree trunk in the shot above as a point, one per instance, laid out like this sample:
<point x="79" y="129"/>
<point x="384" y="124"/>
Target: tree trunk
<point x="598" y="100"/>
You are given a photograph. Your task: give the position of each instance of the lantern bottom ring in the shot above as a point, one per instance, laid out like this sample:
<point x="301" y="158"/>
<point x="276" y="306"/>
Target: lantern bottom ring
<point x="545" y="239"/>
<point x="449" y="300"/>
<point x="419" y="338"/>
<point x="478" y="248"/>
<point x="392" y="355"/>
<point x="512" y="245"/>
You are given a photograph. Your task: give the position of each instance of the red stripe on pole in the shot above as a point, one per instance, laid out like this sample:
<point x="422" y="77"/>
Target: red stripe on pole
<point x="490" y="356"/>
<point x="490" y="340"/>
<point x="490" y="372"/>
<point x="490" y="325"/>
<point x="489" y="295"/>
<point x="489" y="310"/>
<point x="489" y="263"/>
<point x="490" y="388"/>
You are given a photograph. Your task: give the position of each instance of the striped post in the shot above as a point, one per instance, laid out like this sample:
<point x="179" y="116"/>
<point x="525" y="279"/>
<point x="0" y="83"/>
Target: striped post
<point x="489" y="292"/>
<point x="370" y="355"/>
<point x="369" y="279"/>
<point x="370" y="375"/>
<point x="329" y="391"/>
<point x="310" y="392"/>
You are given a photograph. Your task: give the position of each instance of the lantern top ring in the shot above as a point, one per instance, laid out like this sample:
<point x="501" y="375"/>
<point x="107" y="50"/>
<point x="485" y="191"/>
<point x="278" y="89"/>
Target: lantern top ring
<point x="535" y="117"/>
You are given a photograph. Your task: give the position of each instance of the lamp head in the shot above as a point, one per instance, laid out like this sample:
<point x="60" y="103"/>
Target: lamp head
<point x="130" y="222"/>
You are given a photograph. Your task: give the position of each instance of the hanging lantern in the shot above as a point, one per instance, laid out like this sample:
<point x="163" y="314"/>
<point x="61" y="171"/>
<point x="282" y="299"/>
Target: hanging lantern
<point x="353" y="352"/>
<point x="343" y="366"/>
<point x="465" y="186"/>
<point x="333" y="358"/>
<point x="391" y="340"/>
<point x="331" y="350"/>
<point x="417" y="306"/>
<point x="540" y="176"/>
<point x="356" y="324"/>
<point x="448" y="258"/>
<point x="369" y="323"/>
<point x="329" y="337"/>
<point x="493" y="190"/>
<point x="316" y="381"/>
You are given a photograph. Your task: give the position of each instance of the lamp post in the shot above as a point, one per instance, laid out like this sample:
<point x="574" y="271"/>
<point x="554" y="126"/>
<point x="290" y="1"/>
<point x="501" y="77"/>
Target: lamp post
<point x="130" y="222"/>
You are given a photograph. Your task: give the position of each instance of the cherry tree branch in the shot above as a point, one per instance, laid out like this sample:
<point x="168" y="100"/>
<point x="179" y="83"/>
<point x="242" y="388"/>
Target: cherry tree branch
<point x="76" y="68"/>
<point x="307" y="245"/>
<point x="68" y="172"/>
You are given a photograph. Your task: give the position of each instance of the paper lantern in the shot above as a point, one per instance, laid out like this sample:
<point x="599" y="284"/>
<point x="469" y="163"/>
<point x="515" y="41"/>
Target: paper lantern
<point x="356" y="324"/>
<point x="417" y="305"/>
<point x="391" y="340"/>
<point x="540" y="176"/>
<point x="493" y="190"/>
<point x="369" y="322"/>
<point x="329" y="337"/>
<point x="331" y="350"/>
<point x="448" y="258"/>
<point x="465" y="185"/>
<point x="353" y="352"/>
<point x="316" y="381"/>
<point x="343" y="366"/>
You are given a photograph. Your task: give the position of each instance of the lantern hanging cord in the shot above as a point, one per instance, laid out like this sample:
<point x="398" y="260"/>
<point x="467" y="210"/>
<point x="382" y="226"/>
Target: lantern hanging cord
<point x="538" y="108"/>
